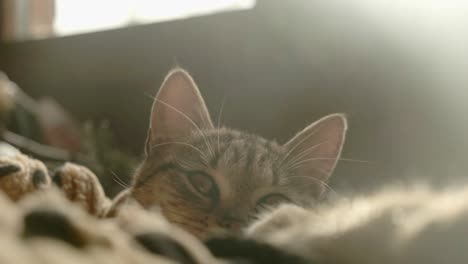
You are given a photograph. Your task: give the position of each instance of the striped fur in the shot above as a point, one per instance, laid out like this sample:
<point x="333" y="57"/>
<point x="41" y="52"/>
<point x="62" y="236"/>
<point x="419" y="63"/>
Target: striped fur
<point x="243" y="168"/>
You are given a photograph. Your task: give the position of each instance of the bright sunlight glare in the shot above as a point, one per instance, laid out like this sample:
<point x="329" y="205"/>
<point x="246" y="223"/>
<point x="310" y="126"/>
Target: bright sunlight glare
<point x="74" y="17"/>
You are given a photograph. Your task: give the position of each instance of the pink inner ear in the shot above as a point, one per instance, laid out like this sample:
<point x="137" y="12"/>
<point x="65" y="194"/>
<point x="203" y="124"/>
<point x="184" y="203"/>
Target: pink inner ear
<point x="315" y="150"/>
<point x="178" y="109"/>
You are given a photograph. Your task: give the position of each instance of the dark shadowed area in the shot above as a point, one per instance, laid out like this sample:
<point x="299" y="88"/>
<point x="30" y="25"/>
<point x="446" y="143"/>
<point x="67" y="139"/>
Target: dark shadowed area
<point x="398" y="71"/>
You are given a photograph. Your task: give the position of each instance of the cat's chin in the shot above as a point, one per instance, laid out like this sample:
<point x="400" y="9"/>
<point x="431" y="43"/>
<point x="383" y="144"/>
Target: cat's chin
<point x="209" y="232"/>
<point x="219" y="232"/>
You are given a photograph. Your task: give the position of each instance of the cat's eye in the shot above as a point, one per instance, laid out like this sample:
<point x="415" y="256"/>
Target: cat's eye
<point x="203" y="184"/>
<point x="271" y="200"/>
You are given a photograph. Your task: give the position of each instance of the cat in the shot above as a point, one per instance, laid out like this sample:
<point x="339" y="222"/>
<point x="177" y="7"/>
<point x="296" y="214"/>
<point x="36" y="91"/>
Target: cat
<point x="210" y="179"/>
<point x="396" y="225"/>
<point x="206" y="179"/>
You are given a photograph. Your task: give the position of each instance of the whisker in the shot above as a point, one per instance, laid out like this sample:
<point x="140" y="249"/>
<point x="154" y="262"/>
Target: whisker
<point x="320" y="182"/>
<point x="187" y="163"/>
<point x="119" y="183"/>
<point x="298" y="144"/>
<point x="188" y="119"/>
<point x="208" y="142"/>
<point x="119" y="180"/>
<point x="304" y="153"/>
<point x="298" y="164"/>
<point x="219" y="118"/>
<point x="180" y="143"/>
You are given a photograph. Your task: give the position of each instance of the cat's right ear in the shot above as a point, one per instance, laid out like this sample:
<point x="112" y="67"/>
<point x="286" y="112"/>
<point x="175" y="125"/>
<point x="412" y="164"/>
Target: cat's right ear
<point x="316" y="149"/>
<point x="178" y="110"/>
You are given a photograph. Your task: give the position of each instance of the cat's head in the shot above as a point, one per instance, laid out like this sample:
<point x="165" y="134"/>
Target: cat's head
<point x="206" y="178"/>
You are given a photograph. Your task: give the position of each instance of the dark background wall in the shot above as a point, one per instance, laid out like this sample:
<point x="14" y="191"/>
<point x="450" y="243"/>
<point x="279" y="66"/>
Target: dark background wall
<point x="399" y="73"/>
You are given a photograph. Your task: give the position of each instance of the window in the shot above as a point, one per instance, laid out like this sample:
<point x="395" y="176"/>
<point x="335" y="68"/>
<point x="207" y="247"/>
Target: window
<point x="90" y="15"/>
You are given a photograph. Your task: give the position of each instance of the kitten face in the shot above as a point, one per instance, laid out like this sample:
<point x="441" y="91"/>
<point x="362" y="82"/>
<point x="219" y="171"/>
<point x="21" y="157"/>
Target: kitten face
<point x="206" y="179"/>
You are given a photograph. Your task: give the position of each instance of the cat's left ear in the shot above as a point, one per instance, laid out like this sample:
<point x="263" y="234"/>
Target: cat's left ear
<point x="316" y="149"/>
<point x="178" y="110"/>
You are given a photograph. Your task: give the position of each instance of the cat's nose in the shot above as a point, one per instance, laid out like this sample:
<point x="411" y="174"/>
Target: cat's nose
<point x="229" y="223"/>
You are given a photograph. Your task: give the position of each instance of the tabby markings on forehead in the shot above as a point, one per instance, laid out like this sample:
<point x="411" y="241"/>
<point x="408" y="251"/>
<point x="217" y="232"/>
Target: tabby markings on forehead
<point x="253" y="158"/>
<point x="218" y="155"/>
<point x="250" y="152"/>
<point x="251" y="149"/>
